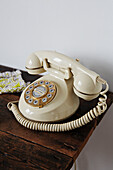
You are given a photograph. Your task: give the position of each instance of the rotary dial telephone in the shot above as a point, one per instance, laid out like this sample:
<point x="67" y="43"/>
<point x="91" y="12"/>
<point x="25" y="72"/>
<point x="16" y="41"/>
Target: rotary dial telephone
<point x="55" y="96"/>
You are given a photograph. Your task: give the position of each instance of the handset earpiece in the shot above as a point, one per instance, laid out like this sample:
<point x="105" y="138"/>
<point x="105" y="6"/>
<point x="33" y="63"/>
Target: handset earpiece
<point x="34" y="65"/>
<point x="85" y="87"/>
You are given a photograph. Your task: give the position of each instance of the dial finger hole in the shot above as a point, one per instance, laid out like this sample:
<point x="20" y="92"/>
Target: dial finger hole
<point x="49" y="95"/>
<point x="35" y="84"/>
<point x="41" y="82"/>
<point x="36" y="101"/>
<point x="27" y="97"/>
<point x="30" y="87"/>
<point x="46" y="83"/>
<point x="27" y="92"/>
<point x="44" y="99"/>
<point x="50" y="86"/>
<point x="51" y="90"/>
<point x="30" y="100"/>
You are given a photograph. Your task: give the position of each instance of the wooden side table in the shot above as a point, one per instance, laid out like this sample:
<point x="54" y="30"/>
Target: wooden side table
<point x="22" y="148"/>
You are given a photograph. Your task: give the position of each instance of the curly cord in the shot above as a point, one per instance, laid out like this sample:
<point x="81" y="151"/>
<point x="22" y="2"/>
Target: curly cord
<point x="92" y="114"/>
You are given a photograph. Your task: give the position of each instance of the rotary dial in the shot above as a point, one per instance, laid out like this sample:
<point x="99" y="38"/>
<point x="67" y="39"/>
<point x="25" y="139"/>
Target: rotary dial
<point x="40" y="93"/>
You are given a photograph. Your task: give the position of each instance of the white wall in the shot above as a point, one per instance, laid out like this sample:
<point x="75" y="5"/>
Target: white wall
<point x="81" y="28"/>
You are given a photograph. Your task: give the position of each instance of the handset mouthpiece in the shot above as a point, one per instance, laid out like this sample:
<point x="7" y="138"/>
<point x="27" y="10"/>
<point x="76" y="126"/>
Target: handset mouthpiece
<point x="33" y="65"/>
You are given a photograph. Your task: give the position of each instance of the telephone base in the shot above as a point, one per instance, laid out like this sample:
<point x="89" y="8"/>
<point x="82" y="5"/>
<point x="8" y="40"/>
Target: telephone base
<point x="62" y="106"/>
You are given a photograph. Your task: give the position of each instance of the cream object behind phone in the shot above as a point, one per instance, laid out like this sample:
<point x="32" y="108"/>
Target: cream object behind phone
<point x="54" y="97"/>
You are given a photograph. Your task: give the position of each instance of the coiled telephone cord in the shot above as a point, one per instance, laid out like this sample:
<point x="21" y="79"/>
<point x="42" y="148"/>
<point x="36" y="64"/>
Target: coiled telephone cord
<point x="89" y="116"/>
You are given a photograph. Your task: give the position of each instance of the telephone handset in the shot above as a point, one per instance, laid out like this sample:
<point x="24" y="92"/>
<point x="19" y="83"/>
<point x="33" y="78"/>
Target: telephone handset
<point x="55" y="96"/>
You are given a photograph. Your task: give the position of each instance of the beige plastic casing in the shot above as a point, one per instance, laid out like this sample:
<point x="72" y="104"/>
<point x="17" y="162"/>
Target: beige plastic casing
<point x="71" y="79"/>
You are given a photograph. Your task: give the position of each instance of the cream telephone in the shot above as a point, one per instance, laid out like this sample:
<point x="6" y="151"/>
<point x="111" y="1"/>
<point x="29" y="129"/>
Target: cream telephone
<point x="55" y="96"/>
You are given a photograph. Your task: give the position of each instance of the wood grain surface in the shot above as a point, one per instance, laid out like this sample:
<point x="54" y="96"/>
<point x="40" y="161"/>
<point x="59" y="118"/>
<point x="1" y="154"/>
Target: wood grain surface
<point x="27" y="149"/>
